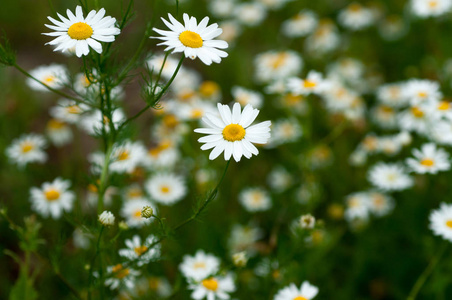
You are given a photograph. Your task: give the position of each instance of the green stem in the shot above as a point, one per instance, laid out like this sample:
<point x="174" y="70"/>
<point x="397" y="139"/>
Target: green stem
<point x="98" y="253"/>
<point x="431" y="266"/>
<point x="48" y="87"/>
<point x="157" y="99"/>
<point x="103" y="179"/>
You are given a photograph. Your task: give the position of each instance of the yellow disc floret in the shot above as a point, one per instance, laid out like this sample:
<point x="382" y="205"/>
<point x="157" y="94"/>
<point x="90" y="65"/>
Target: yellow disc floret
<point x="427" y="162"/>
<point x="52" y="194"/>
<point x="210" y="284"/>
<point x="300" y="298"/>
<point x="27" y="147"/>
<point x="80" y="31"/>
<point x="233" y="132"/>
<point x="449" y="223"/>
<point x="191" y="39"/>
<point x="140" y="250"/>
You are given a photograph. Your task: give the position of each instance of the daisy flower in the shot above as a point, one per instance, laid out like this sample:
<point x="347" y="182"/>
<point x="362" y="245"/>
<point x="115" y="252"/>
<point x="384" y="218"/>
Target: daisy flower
<point x="213" y="288"/>
<point x="68" y="111"/>
<point x="54" y="76"/>
<point x="355" y="17"/>
<point x="199" y="266"/>
<point x="126" y="157"/>
<point x="357" y="206"/>
<point x="26" y="149"/>
<point x="273" y="65"/>
<point x="441" y="221"/>
<point x="59" y="133"/>
<point x="300" y="25"/>
<point x="232" y="134"/>
<point x="255" y="199"/>
<point x="245" y="96"/>
<point x="422" y="91"/>
<point x="82" y="33"/>
<point x="195" y="40"/>
<point x="314" y="83"/>
<point x="306" y="292"/>
<point x="380" y="204"/>
<point x="120" y="275"/>
<point x="166" y="189"/>
<point x="430" y="8"/>
<point x="140" y="250"/>
<point x="429" y="160"/>
<point x="389" y="177"/>
<point x="52" y="198"/>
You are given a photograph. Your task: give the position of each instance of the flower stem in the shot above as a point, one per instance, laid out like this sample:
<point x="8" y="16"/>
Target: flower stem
<point x="103" y="179"/>
<point x="431" y="266"/>
<point x="98" y="253"/>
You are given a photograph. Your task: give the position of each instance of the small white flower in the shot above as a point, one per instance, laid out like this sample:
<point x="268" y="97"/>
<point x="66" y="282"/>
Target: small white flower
<point x="54" y="76"/>
<point x="120" y="275"/>
<point x="195" y="40"/>
<point x="136" y="250"/>
<point x="389" y="177"/>
<point x="357" y="207"/>
<point x="213" y="288"/>
<point x="306" y="292"/>
<point x="126" y="157"/>
<point x="166" y="189"/>
<point x="131" y="210"/>
<point x="430" y="8"/>
<point x="314" y="83"/>
<point x="250" y="13"/>
<point x="26" y="149"/>
<point x="429" y="160"/>
<point x="441" y="221"/>
<point x="245" y="97"/>
<point x="200" y="266"/>
<point x="232" y="134"/>
<point x="300" y="25"/>
<point x="68" y="111"/>
<point x="59" y="133"/>
<point x="307" y="221"/>
<point x="255" y="199"/>
<point x="272" y="65"/>
<point x="82" y="33"/>
<point x="355" y="17"/>
<point x="107" y="218"/>
<point x="52" y="198"/>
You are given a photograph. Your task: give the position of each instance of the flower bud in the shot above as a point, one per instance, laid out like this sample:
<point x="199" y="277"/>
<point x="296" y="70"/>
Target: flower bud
<point x="147" y="212"/>
<point x="107" y="218"/>
<point x="239" y="259"/>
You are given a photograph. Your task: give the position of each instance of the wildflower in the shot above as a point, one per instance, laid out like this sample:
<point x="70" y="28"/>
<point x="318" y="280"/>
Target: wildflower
<point x="422" y="91"/>
<point x="199" y="266"/>
<point x="250" y="13"/>
<point x="300" y="25"/>
<point x="147" y="212"/>
<point x="26" y="149"/>
<point x="54" y="76"/>
<point x="389" y="177"/>
<point x="356" y="17"/>
<point x="232" y="133"/>
<point x="272" y="65"/>
<point x="195" y="40"/>
<point x="126" y="157"/>
<point x="213" y="288"/>
<point x="106" y="218"/>
<point x="52" y="198"/>
<point x="255" y="199"/>
<point x="430" y="8"/>
<point x="240" y="259"/>
<point x="245" y="97"/>
<point x="166" y="189"/>
<point x="314" y="83"/>
<point x="59" y="133"/>
<point x="429" y="160"/>
<point x="441" y="221"/>
<point x="136" y="250"/>
<point x="82" y="33"/>
<point x="68" y="111"/>
<point x="380" y="204"/>
<point x="357" y="207"/>
<point x="306" y="292"/>
<point x="307" y="221"/>
<point x="120" y="275"/>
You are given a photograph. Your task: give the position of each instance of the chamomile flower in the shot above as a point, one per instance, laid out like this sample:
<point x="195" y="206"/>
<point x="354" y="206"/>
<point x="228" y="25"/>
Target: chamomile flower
<point x="244" y="238"/>
<point x="52" y="198"/>
<point x="131" y="211"/>
<point x="82" y="33"/>
<point x="300" y="25"/>
<point x="357" y="206"/>
<point x="121" y="275"/>
<point x="255" y="199"/>
<point x="137" y="250"/>
<point x="324" y="39"/>
<point x="392" y="95"/>
<point x="200" y="266"/>
<point x="217" y="287"/>
<point x="380" y="204"/>
<point x="250" y="13"/>
<point x="429" y="160"/>
<point x="54" y="76"/>
<point x="389" y="177"/>
<point x="232" y="134"/>
<point x="430" y="8"/>
<point x="126" y="157"/>
<point x="314" y="83"/>
<point x="59" y="133"/>
<point x="166" y="189"/>
<point x="441" y="221"/>
<point x="195" y="40"/>
<point x="27" y="149"/>
<point x="422" y="91"/>
<point x="162" y="155"/>
<point x="306" y="291"/>
<point x="245" y="97"/>
<point x="272" y="65"/>
<point x="356" y="17"/>
<point x="68" y="111"/>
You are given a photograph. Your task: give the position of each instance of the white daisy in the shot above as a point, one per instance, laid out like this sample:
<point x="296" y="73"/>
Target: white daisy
<point x="285" y="131"/>
<point x="300" y="25"/>
<point x="200" y="266"/>
<point x="166" y="189"/>
<point x="422" y="91"/>
<point x="255" y="199"/>
<point x="52" y="198"/>
<point x="272" y="65"/>
<point x="131" y="211"/>
<point x="392" y="95"/>
<point x="429" y="160"/>
<point x="314" y="83"/>
<point x="245" y="97"/>
<point x="355" y="17"/>
<point x="306" y="292"/>
<point x="232" y="134"/>
<point x="415" y="118"/>
<point x="244" y="238"/>
<point x="325" y="38"/>
<point x="68" y="111"/>
<point x="120" y="275"/>
<point x="357" y="206"/>
<point x="162" y="155"/>
<point x="54" y="76"/>
<point x="82" y="33"/>
<point x="59" y="133"/>
<point x="380" y="204"/>
<point x="441" y="221"/>
<point x="250" y="13"/>
<point x="136" y="250"/>
<point x="26" y="149"/>
<point x="430" y="8"/>
<point x="389" y="177"/>
<point x="126" y="157"/>
<point x="195" y="40"/>
<point x="213" y="288"/>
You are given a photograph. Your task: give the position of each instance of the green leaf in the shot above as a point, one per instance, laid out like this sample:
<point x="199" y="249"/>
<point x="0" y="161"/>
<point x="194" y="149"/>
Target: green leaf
<point x="23" y="289"/>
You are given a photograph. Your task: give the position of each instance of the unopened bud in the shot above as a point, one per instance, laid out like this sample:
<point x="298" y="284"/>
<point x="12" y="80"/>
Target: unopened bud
<point x="123" y="225"/>
<point x="107" y="218"/>
<point x="307" y="221"/>
<point x="147" y="212"/>
<point x="239" y="259"/>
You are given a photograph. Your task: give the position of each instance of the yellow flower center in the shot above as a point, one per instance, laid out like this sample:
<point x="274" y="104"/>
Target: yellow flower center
<point x="422" y="94"/>
<point x="199" y="265"/>
<point x="119" y="271"/>
<point x="427" y="162"/>
<point x="123" y="155"/>
<point x="208" y="88"/>
<point x="135" y="193"/>
<point x="49" y="79"/>
<point x="170" y="121"/>
<point x="80" y="31"/>
<point x="279" y="60"/>
<point x="309" y="83"/>
<point x="191" y="39"/>
<point x="433" y="4"/>
<point x="233" y="132"/>
<point x="444" y="105"/>
<point x="140" y="250"/>
<point x="386" y="109"/>
<point x="256" y="198"/>
<point x="27" y="147"/>
<point x="55" y="124"/>
<point x="291" y="99"/>
<point x="300" y="298"/>
<point x="92" y="188"/>
<point x="165" y="189"/>
<point x="197" y="113"/>
<point x="137" y="214"/>
<point x="210" y="284"/>
<point x="417" y="112"/>
<point x="449" y="223"/>
<point x="52" y="194"/>
<point x="73" y="109"/>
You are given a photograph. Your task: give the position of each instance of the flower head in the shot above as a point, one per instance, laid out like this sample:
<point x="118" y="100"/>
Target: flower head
<point x="106" y="218"/>
<point x="82" y="33"/>
<point x="195" y="40"/>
